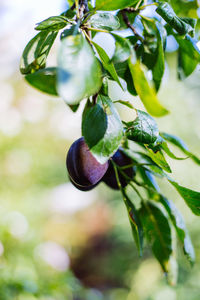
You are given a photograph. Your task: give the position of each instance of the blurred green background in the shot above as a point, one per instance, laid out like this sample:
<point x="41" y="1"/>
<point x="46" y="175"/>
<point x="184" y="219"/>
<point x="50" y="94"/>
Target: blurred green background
<point x="59" y="243"/>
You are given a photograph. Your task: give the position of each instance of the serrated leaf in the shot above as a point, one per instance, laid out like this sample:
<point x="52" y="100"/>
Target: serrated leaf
<point x="44" y="80"/>
<point x="111" y="140"/>
<point x="146" y="93"/>
<point x="94" y="125"/>
<point x="167" y="13"/>
<point x="181" y="230"/>
<point x="79" y="72"/>
<point x="158" y="233"/>
<point x="122" y="49"/>
<point x="192" y="198"/>
<point x="107" y="64"/>
<point x="160" y="160"/>
<point x="135" y="222"/>
<point x="143" y="129"/>
<point x="104" y="20"/>
<point x="175" y="140"/>
<point x="114" y="5"/>
<point x="36" y="51"/>
<point x="54" y="23"/>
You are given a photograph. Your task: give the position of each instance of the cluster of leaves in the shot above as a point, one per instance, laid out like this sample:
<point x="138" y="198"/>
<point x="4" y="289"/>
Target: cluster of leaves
<point x="83" y="71"/>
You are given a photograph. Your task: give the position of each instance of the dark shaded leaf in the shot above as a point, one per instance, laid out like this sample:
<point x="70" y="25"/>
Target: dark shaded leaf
<point x="136" y="225"/>
<point x="188" y="45"/>
<point x="186" y="64"/>
<point x="179" y="224"/>
<point x="94" y="125"/>
<point x="122" y="49"/>
<point x="179" y="24"/>
<point x="79" y="73"/>
<point x="159" y="67"/>
<point x="158" y="232"/>
<point x="143" y="129"/>
<point x="44" y="80"/>
<point x="36" y="51"/>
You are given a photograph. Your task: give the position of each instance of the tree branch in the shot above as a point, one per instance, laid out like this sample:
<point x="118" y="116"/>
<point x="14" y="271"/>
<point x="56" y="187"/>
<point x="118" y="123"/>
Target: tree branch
<point x="129" y="25"/>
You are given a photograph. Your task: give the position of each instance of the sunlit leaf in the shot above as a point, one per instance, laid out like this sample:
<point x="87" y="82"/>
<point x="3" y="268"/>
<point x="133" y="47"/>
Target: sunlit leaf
<point x="79" y="72"/>
<point x="104" y="20"/>
<point x="113" y="5"/>
<point x="192" y="198"/>
<point x="111" y="140"/>
<point x="160" y="160"/>
<point x="146" y="93"/>
<point x="53" y="23"/>
<point x="107" y="64"/>
<point x="175" y="140"/>
<point x="36" y="51"/>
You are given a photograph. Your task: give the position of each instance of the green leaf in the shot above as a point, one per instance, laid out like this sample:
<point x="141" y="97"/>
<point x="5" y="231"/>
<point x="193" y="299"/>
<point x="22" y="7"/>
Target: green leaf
<point x="159" y="67"/>
<point x="146" y="93"/>
<point x="44" y="80"/>
<point x="111" y="140"/>
<point x="124" y="72"/>
<point x="136" y="225"/>
<point x="126" y="103"/>
<point x="159" y="159"/>
<point x="143" y="129"/>
<point x="107" y="64"/>
<point x="36" y="51"/>
<point x="122" y="49"/>
<point x="52" y="24"/>
<point x="175" y="140"/>
<point x="192" y="198"/>
<point x="165" y="147"/>
<point x="104" y="20"/>
<point x="158" y="232"/>
<point x="94" y="125"/>
<point x="179" y="224"/>
<point x="179" y="24"/>
<point x="186" y="64"/>
<point x="79" y="73"/>
<point x="114" y="5"/>
<point x="189" y="46"/>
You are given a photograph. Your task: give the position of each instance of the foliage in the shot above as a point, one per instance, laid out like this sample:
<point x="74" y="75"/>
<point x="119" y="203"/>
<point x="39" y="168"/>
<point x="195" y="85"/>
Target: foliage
<point x="82" y="72"/>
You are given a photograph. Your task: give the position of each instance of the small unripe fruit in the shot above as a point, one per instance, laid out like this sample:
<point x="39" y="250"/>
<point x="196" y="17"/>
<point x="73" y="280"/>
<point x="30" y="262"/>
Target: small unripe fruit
<point x="84" y="170"/>
<point x="122" y="160"/>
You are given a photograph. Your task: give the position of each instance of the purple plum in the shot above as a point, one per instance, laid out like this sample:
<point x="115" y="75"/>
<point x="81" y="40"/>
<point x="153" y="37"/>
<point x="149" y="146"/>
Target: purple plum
<point x="121" y="159"/>
<point x="84" y="170"/>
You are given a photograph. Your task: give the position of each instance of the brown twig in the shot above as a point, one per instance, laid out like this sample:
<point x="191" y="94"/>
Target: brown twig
<point x="129" y="25"/>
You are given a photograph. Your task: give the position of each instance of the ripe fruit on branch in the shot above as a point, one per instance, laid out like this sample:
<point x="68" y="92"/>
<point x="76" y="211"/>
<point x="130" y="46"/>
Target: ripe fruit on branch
<point x="122" y="160"/>
<point x="84" y="170"/>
